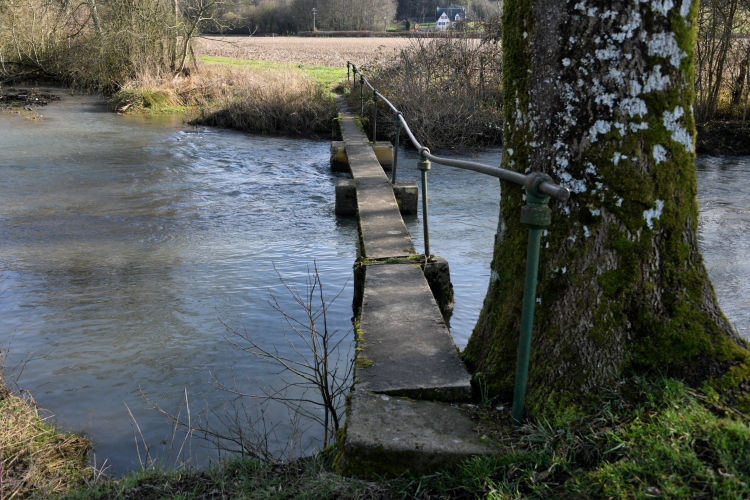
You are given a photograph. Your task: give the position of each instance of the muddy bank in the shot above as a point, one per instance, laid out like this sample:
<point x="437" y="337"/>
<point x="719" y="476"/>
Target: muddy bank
<point x="723" y="138"/>
<point x="29" y="99"/>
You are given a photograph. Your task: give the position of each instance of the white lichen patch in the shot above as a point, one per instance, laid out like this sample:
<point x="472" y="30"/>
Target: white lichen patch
<point x="575" y="185"/>
<point x="685" y="7"/>
<point x="662" y="6"/>
<point x="653" y="213"/>
<point x="608" y="53"/>
<point x="633" y="106"/>
<point x="659" y="153"/>
<point x="655" y="80"/>
<point x="600" y="127"/>
<point x="679" y="133"/>
<point x="665" y="45"/>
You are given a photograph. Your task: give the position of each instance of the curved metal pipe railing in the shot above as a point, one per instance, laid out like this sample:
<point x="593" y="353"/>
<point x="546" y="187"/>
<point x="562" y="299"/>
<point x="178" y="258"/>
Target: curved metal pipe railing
<point x="536" y="215"/>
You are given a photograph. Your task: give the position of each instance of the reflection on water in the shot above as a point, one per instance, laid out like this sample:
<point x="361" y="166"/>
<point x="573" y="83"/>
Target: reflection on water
<point x="463" y="210"/>
<point x="128" y="239"/>
<point x="723" y="184"/>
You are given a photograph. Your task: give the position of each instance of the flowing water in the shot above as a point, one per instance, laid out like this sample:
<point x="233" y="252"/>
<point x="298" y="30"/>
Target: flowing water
<point x="127" y="241"/>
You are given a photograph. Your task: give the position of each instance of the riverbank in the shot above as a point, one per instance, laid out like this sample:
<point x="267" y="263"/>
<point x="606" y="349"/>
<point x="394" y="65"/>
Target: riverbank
<point x="37" y="460"/>
<point x="722" y="137"/>
<point x="649" y="437"/>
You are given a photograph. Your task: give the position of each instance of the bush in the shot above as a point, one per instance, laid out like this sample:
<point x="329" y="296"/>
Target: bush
<point x="273" y="102"/>
<point x="448" y="89"/>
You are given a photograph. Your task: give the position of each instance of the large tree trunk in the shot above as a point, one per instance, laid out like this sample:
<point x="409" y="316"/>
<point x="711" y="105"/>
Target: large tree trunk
<point x="598" y="95"/>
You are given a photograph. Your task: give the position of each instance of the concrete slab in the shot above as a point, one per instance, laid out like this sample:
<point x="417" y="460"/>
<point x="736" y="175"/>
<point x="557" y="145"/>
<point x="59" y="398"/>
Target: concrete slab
<point x="404" y="347"/>
<point x="386" y="435"/>
<point x="350" y="132"/>
<point x="384" y="233"/>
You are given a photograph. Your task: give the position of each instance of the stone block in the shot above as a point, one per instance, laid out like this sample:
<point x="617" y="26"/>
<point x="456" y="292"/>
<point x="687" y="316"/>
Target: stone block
<point x="339" y="160"/>
<point x="438" y="276"/>
<point x="346" y="197"/>
<point x="407" y="196"/>
<point x="384" y="152"/>
<point x="389" y="436"/>
<point x="404" y="347"/>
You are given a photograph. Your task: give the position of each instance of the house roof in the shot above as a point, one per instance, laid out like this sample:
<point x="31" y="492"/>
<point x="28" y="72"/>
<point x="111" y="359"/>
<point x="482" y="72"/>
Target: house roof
<point x="451" y="12"/>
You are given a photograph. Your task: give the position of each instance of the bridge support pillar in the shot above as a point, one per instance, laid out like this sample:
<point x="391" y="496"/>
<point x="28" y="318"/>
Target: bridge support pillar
<point x="438" y="276"/>
<point x="384" y="152"/>
<point x="339" y="160"/>
<point x="346" y="197"/>
<point x="407" y="196"/>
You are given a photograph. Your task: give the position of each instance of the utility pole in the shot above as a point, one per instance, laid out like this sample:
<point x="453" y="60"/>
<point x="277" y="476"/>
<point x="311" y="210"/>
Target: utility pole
<point x="314" y="12"/>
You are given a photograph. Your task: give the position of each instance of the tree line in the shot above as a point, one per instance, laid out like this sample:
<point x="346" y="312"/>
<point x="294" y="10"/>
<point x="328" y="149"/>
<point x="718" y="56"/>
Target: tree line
<point x="291" y="16"/>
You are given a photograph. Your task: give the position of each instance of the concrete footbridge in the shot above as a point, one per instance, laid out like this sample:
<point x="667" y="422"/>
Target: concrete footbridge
<point x="407" y="368"/>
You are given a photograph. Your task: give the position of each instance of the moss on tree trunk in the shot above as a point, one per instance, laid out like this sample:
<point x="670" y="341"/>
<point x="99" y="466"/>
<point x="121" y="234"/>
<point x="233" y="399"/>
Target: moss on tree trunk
<point x="599" y="96"/>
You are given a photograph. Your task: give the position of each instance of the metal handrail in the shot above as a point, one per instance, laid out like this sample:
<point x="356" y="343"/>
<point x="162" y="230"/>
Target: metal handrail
<point x="560" y="193"/>
<point x="536" y="215"/>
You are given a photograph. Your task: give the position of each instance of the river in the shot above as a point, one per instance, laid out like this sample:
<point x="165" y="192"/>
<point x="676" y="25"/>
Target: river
<point x="127" y="242"/>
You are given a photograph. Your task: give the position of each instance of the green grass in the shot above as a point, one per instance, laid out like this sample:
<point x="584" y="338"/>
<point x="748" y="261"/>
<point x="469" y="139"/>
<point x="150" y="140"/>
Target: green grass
<point x="326" y="76"/>
<point x="646" y="438"/>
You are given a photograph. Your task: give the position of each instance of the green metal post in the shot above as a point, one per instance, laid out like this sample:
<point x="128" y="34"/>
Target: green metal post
<point x="536" y="215"/>
<point x="374" y="117"/>
<point x="361" y="96"/>
<point x="395" y="149"/>
<point x="424" y="166"/>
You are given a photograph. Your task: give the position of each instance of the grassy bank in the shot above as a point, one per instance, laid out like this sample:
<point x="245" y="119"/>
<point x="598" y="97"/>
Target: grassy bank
<point x="37" y="459"/>
<point x="646" y="438"/>
<point x="254" y="96"/>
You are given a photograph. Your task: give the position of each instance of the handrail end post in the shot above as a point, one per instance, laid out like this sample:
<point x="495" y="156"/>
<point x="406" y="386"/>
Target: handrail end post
<point x="424" y="166"/>
<point x="536" y="215"/>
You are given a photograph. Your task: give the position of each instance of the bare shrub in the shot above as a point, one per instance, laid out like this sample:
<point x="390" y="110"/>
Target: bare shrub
<point x="283" y="101"/>
<point x="83" y="43"/>
<point x="315" y="378"/>
<point x="448" y="89"/>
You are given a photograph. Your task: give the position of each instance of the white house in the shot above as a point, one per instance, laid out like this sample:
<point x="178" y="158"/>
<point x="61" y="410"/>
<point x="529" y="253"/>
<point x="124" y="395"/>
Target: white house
<point x="447" y="18"/>
<point x="443" y="22"/>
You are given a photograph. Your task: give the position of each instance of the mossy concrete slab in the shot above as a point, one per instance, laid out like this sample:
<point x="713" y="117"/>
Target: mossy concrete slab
<point x="389" y="436"/>
<point x="404" y="347"/>
<point x="350" y="131"/>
